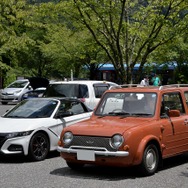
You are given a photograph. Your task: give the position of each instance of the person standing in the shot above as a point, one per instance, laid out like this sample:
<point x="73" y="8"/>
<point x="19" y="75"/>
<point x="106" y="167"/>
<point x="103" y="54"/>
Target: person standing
<point x="145" y="81"/>
<point x="156" y="80"/>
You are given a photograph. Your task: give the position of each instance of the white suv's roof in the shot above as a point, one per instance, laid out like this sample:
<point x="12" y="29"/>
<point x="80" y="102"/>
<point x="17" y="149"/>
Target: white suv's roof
<point x="81" y="82"/>
<point x="77" y="88"/>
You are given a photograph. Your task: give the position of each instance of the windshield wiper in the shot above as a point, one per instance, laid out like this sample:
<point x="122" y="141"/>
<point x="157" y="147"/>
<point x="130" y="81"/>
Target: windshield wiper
<point x="114" y="114"/>
<point x="119" y="113"/>
<point x="103" y="115"/>
<point x="139" y="114"/>
<point x="142" y="114"/>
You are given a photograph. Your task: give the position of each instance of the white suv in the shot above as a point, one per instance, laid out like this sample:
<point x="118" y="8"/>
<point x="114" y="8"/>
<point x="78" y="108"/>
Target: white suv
<point x="88" y="91"/>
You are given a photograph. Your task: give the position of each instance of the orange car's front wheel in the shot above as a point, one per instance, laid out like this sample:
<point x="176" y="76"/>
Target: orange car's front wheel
<point x="150" y="160"/>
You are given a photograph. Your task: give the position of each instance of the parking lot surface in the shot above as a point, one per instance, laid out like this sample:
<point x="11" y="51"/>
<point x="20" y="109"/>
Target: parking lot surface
<point x="18" y="172"/>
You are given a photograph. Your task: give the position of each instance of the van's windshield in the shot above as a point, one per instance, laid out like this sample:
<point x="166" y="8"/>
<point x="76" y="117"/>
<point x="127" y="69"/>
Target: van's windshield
<point x="18" y="84"/>
<point x="67" y="90"/>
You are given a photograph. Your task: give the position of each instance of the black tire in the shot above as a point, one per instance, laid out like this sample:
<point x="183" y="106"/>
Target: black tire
<point x="75" y="166"/>
<point x="39" y="147"/>
<point x="4" y="103"/>
<point x="150" y="160"/>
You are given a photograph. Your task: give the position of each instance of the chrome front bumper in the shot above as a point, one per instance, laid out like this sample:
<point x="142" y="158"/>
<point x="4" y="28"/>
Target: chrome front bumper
<point x="97" y="151"/>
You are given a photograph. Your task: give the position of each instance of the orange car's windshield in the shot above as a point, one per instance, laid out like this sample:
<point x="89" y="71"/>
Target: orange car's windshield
<point x="129" y="104"/>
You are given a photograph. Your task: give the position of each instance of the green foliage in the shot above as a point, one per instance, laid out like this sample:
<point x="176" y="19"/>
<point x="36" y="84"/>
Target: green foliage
<point x="129" y="31"/>
<point x="51" y="38"/>
<point x="13" y="39"/>
<point x="9" y="78"/>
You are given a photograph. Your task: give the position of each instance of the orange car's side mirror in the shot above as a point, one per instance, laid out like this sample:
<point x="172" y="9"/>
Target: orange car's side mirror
<point x="174" y="113"/>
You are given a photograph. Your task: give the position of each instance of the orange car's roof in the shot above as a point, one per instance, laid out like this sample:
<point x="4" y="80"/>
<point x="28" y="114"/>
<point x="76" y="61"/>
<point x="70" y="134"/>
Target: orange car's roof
<point x="149" y="88"/>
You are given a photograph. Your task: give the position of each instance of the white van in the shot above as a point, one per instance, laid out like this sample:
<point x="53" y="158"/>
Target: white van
<point x="87" y="91"/>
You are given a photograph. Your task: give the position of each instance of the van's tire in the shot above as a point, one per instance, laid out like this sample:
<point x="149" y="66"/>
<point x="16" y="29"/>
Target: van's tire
<point x="4" y="103"/>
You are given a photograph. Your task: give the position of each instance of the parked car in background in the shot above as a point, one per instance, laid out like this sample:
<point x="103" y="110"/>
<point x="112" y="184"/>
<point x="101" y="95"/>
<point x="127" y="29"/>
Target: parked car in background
<point x="38" y="92"/>
<point x="38" y="85"/>
<point x="87" y="91"/>
<point x="33" y="126"/>
<point x="14" y="91"/>
<point x="137" y="126"/>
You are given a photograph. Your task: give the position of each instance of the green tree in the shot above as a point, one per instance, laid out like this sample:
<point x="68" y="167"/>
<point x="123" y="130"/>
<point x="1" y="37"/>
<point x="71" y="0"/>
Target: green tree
<point x="23" y="33"/>
<point x="70" y="46"/>
<point x="129" y="31"/>
<point x="175" y="54"/>
<point x="12" y="36"/>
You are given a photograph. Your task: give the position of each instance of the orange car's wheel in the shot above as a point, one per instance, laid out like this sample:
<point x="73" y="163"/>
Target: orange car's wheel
<point x="150" y="160"/>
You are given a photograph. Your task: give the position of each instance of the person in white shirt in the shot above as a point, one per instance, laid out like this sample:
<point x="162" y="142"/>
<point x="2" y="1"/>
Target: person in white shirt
<point x="145" y="81"/>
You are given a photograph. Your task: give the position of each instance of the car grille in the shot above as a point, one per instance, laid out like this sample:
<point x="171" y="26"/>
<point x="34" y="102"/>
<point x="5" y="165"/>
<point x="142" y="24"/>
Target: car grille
<point x="93" y="142"/>
<point x="6" y="94"/>
<point x="7" y="97"/>
<point x="2" y="138"/>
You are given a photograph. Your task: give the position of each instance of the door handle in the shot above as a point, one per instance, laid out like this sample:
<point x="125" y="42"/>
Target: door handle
<point x="186" y="122"/>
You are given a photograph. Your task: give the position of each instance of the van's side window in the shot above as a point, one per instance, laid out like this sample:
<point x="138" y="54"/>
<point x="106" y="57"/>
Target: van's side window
<point x="83" y="91"/>
<point x="100" y="89"/>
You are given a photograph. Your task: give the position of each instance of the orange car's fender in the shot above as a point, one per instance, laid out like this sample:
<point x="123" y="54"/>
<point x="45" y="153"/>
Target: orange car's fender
<point x="139" y="153"/>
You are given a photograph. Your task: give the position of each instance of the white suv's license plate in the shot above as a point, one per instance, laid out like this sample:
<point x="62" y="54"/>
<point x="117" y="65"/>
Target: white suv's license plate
<point x="86" y="155"/>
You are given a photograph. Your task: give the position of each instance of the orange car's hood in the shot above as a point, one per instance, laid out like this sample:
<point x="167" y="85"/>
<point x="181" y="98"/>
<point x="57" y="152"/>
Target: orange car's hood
<point x="106" y="126"/>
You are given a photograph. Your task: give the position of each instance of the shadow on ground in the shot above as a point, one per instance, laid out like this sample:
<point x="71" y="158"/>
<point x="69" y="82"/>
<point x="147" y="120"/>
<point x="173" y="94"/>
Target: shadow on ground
<point x="22" y="158"/>
<point x="115" y="174"/>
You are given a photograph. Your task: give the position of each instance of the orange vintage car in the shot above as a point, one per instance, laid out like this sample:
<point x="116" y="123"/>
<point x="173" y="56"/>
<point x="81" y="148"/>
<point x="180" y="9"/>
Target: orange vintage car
<point x="137" y="126"/>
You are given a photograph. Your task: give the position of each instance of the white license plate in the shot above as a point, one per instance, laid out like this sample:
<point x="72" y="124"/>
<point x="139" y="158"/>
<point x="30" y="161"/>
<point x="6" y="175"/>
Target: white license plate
<point x="86" y="155"/>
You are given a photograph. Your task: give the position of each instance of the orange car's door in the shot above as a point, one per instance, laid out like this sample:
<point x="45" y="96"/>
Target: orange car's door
<point x="175" y="135"/>
<point x="175" y="129"/>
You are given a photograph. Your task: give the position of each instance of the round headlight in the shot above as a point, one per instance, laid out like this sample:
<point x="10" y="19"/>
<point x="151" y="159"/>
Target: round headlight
<point x="116" y="141"/>
<point x="67" y="138"/>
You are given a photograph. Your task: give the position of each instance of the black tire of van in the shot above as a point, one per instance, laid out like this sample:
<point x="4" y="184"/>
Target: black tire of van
<point x="4" y="103"/>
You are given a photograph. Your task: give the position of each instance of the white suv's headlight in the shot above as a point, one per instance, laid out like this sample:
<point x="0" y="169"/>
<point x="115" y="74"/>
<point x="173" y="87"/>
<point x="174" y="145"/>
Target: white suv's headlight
<point x="116" y="141"/>
<point x="67" y="138"/>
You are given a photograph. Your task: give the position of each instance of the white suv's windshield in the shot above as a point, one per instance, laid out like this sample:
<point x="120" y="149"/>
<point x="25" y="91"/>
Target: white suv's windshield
<point x="128" y="104"/>
<point x="67" y="90"/>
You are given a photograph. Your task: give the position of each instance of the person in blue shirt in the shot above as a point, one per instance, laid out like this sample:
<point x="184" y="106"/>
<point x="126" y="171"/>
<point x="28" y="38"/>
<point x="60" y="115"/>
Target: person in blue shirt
<point x="156" y="80"/>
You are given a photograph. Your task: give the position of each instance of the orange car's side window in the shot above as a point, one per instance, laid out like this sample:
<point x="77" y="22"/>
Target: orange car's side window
<point x="186" y="97"/>
<point x="173" y="101"/>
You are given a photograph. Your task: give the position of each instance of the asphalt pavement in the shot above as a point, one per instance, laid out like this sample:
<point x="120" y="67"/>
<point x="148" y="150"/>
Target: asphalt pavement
<point x="18" y="172"/>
